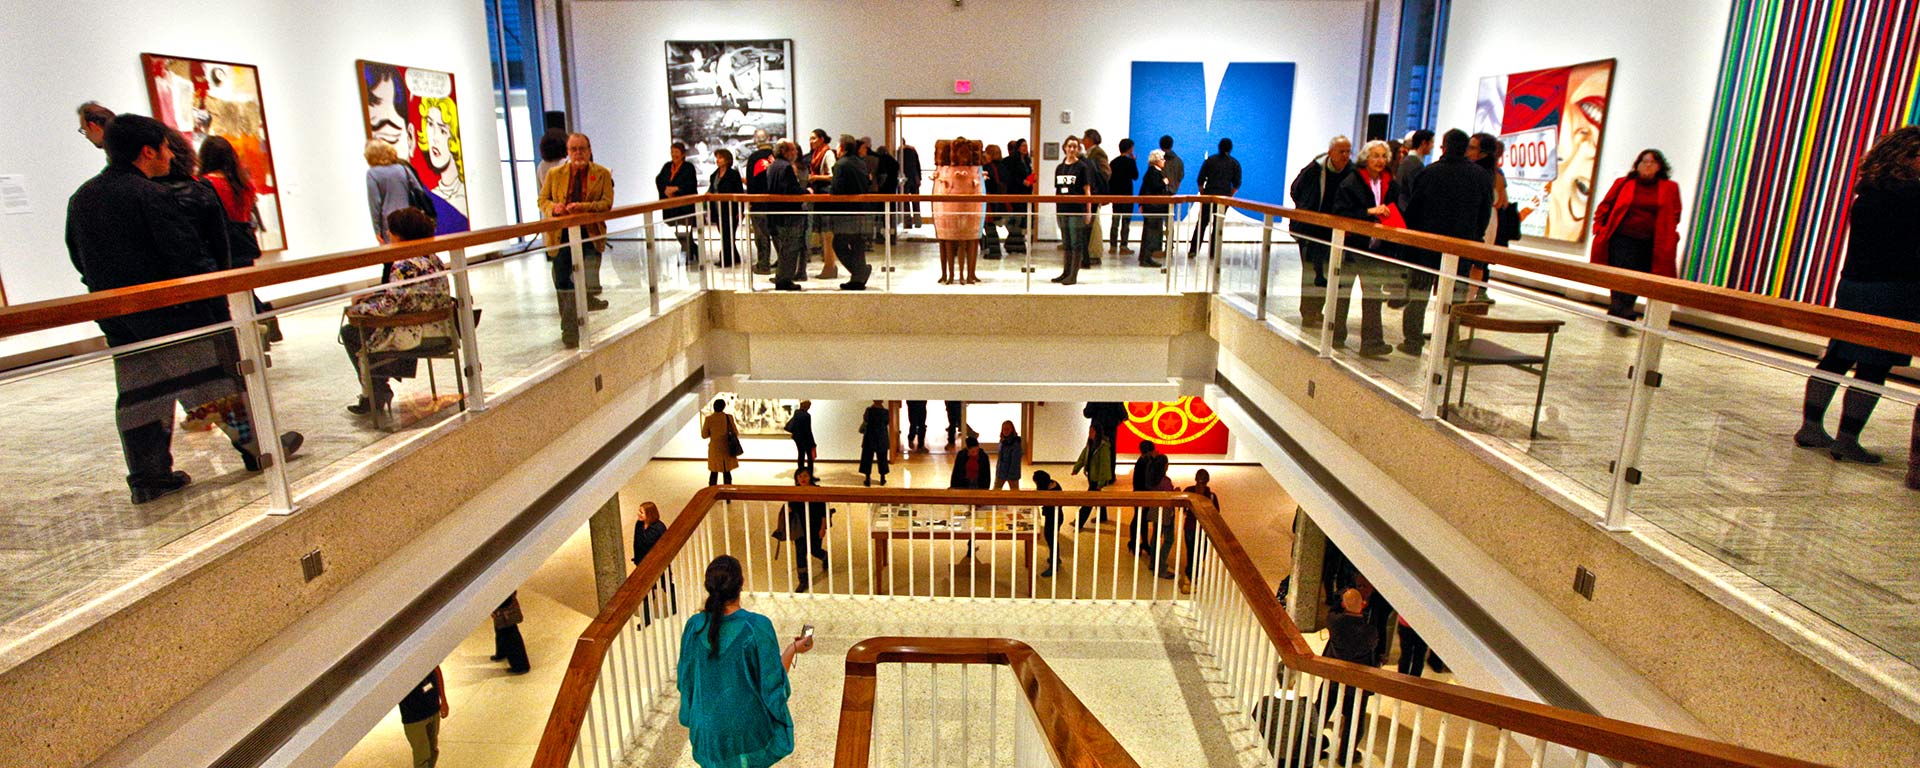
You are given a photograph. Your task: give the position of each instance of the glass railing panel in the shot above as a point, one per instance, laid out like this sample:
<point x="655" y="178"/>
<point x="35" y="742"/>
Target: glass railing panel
<point x="1720" y="469"/>
<point x="1583" y="397"/>
<point x="314" y="372"/>
<point x="519" y="324"/>
<point x="67" y="514"/>
<point x="678" y="256"/>
<point x="1285" y="290"/>
<point x="621" y="282"/>
<point x="1383" y="328"/>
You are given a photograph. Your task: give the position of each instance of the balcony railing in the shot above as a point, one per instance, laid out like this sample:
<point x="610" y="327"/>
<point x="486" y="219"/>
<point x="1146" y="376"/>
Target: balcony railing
<point x="1047" y="724"/>
<point x="1302" y="704"/>
<point x="1674" y="429"/>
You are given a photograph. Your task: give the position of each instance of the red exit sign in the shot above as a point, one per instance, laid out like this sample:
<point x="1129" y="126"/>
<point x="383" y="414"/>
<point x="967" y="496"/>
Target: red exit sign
<point x="963" y="86"/>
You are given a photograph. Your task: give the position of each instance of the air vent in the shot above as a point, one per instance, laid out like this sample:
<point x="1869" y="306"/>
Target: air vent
<point x="1583" y="580"/>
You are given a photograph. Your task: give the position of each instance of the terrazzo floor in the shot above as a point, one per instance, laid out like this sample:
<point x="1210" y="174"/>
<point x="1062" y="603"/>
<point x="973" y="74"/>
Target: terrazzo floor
<point x="1719" y="468"/>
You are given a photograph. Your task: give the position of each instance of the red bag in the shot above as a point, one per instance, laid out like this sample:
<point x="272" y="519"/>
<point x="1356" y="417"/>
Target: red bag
<point x="1392" y="217"/>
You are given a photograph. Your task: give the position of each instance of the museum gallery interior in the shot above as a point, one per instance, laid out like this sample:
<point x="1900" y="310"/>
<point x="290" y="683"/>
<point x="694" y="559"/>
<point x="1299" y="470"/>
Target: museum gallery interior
<point x="600" y="383"/>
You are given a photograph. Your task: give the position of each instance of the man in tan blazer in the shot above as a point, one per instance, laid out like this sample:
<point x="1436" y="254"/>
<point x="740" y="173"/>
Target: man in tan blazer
<point x="571" y="188"/>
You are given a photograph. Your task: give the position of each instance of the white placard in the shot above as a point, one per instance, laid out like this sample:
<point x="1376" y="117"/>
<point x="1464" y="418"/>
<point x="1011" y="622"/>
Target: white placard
<point x="13" y="195"/>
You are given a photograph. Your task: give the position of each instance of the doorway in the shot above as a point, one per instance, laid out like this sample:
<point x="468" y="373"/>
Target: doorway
<point x="920" y="122"/>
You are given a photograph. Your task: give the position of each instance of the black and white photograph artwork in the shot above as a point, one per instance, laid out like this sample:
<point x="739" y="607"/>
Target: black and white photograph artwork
<point x="721" y="91"/>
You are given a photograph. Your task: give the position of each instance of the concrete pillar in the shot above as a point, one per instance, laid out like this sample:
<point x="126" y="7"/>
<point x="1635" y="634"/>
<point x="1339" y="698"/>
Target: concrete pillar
<point x="609" y="550"/>
<point x="1309" y="554"/>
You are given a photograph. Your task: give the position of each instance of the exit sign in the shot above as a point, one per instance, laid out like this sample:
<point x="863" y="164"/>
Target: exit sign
<point x="963" y="86"/>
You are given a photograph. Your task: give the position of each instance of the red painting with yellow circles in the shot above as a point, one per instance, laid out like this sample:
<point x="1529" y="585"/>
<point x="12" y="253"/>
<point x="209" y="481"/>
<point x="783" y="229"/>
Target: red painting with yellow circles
<point x="1184" y="426"/>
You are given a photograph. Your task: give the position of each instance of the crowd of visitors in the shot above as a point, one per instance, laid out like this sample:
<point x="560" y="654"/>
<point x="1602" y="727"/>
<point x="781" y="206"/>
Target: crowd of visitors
<point x="147" y="217"/>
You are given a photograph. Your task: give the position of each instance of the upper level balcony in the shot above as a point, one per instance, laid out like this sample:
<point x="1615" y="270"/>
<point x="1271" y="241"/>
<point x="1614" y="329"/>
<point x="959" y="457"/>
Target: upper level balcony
<point x="1664" y="445"/>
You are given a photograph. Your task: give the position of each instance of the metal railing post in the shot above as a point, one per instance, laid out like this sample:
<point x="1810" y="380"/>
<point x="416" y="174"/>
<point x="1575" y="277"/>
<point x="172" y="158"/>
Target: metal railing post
<point x="1434" y="354"/>
<point x="704" y="237"/>
<point x="1213" y="244"/>
<point x="1266" y="262"/>
<point x="580" y="287"/>
<point x="751" y="255"/>
<point x="469" y="338"/>
<point x="886" y="282"/>
<point x="652" y="259"/>
<point x="266" y="434"/>
<point x="1646" y="378"/>
<point x="1331" y="301"/>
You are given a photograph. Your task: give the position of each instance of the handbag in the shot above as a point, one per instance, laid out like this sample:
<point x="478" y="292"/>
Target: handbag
<point x="509" y="613"/>
<point x="1509" y="228"/>
<point x="734" y="448"/>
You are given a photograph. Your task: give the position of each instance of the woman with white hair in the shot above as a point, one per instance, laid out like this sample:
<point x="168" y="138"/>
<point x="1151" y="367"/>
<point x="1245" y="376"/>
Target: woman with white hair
<point x="1369" y="195"/>
<point x="1153" y="234"/>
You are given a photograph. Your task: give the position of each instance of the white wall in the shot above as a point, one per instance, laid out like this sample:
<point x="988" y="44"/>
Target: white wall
<point x="61" y="54"/>
<point x="1669" y="60"/>
<point x="850" y="55"/>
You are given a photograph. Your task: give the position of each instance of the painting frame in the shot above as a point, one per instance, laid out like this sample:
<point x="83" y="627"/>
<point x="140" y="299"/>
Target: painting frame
<point x="270" y="180"/>
<point x="1565" y="219"/>
<point x="706" y="127"/>
<point x="451" y="214"/>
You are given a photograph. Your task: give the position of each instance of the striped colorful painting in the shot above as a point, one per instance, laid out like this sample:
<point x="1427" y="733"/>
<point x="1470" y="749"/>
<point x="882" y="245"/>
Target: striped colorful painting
<point x="1805" y="88"/>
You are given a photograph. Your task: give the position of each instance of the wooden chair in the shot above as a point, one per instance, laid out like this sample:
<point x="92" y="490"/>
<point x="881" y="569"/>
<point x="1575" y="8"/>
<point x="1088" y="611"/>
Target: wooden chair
<point x="1469" y="351"/>
<point x="439" y="348"/>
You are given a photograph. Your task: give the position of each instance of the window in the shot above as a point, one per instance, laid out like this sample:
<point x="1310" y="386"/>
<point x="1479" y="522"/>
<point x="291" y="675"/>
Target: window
<point x="1416" y="76"/>
<point x="513" y="44"/>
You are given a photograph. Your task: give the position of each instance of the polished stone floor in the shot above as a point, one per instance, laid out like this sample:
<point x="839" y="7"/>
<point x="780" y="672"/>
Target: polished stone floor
<point x="497" y="718"/>
<point x="1720" y="470"/>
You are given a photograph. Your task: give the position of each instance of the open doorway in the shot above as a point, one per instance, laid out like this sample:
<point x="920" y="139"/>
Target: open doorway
<point x="920" y="122"/>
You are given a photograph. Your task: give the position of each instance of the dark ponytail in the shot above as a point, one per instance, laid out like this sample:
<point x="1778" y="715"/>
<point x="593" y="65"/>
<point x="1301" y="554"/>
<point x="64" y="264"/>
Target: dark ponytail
<point x="723" y="587"/>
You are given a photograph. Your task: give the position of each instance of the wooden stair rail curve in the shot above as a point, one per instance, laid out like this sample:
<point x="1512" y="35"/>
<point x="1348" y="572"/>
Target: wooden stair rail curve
<point x="1073" y="734"/>
<point x="1601" y="736"/>
<point x="1898" y="336"/>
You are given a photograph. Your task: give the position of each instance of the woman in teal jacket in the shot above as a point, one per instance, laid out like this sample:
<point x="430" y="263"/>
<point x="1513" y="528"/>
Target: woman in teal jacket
<point x="733" y="678"/>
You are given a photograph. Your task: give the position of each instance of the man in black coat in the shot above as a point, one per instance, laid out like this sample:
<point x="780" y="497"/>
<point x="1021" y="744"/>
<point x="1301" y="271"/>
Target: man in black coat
<point x="785" y="224"/>
<point x="755" y="169"/>
<point x="801" y="427"/>
<point x="124" y="230"/>
<point x="1219" y="175"/>
<point x="1313" y="190"/>
<point x="1452" y="197"/>
<point x="910" y="183"/>
<point x="1125" y="170"/>
<point x="1014" y="170"/>
<point x="850" y="231"/>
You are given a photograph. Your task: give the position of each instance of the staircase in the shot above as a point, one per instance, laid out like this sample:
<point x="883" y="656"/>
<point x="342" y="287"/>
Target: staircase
<point x="1137" y="667"/>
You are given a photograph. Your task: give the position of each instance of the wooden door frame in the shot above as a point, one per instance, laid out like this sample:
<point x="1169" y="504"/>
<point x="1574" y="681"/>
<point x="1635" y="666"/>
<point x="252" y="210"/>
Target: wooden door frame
<point x="892" y="109"/>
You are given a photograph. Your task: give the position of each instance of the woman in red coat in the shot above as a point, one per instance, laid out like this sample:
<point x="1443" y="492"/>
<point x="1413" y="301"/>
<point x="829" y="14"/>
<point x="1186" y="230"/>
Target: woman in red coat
<point x="1637" y="227"/>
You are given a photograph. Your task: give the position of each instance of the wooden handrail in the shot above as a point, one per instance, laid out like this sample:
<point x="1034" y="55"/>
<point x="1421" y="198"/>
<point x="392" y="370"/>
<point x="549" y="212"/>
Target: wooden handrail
<point x="87" y="307"/>
<point x="1598" y="735"/>
<point x="1895" y="335"/>
<point x="1075" y="736"/>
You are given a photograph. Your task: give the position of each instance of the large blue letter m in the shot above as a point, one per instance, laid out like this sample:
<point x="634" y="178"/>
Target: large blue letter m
<point x="1254" y="107"/>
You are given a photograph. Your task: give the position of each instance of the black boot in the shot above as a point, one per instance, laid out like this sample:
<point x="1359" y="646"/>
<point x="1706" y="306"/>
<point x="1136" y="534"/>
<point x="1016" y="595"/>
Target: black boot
<point x="148" y="490"/>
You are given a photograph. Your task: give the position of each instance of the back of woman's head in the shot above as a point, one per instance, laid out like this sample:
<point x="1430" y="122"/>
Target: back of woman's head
<point x="553" y="145"/>
<point x="183" y="159"/>
<point x="1894" y="158"/>
<point x="724" y="581"/>
<point x="217" y="156"/>
<point x="410" y="224"/>
<point x="380" y="153"/>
